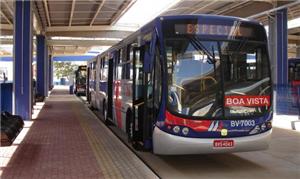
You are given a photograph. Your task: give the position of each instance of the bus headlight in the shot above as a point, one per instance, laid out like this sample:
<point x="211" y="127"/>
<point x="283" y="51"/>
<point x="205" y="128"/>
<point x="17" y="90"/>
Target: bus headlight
<point x="263" y="126"/>
<point x="269" y="124"/>
<point x="185" y="131"/>
<point x="255" y="130"/>
<point x="176" y="129"/>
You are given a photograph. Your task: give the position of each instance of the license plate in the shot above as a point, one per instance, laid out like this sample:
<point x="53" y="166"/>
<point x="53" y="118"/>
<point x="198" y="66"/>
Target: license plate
<point x="80" y="90"/>
<point x="223" y="143"/>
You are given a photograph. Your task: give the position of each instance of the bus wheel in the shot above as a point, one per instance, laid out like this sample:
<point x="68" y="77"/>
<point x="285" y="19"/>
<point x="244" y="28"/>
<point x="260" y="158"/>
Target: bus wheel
<point x="105" y="115"/>
<point x="129" y="127"/>
<point x="130" y="132"/>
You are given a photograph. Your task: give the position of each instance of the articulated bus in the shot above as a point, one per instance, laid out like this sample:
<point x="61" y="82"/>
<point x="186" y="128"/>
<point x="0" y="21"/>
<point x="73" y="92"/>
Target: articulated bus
<point x="188" y="84"/>
<point x="80" y="80"/>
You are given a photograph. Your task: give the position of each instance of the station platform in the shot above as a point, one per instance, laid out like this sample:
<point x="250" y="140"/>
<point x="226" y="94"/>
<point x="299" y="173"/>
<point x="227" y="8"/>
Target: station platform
<point x="66" y="140"/>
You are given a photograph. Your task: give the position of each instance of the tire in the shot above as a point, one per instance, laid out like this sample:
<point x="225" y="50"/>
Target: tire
<point x="105" y="114"/>
<point x="129" y="127"/>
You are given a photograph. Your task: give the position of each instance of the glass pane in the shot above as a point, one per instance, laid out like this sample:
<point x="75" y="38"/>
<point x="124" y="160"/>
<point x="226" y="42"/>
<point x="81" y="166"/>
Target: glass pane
<point x="194" y="77"/>
<point x="246" y="78"/>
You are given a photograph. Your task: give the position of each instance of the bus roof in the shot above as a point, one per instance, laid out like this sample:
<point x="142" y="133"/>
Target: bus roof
<point x="152" y="23"/>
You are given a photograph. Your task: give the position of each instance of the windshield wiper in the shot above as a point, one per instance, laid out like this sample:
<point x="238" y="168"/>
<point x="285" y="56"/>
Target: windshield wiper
<point x="200" y="47"/>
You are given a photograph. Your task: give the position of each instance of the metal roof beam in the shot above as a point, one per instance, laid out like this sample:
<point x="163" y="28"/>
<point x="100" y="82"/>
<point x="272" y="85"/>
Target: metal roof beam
<point x="9" y="8"/>
<point x="47" y="12"/>
<point x="82" y="43"/>
<point x="91" y="28"/>
<point x="92" y="34"/>
<point x="203" y="7"/>
<point x="6" y="27"/>
<point x="274" y="9"/>
<point x="72" y="12"/>
<point x="231" y="7"/>
<point x="294" y="37"/>
<point x="5" y="17"/>
<point x="121" y="12"/>
<point x="97" y="12"/>
<point x="294" y="30"/>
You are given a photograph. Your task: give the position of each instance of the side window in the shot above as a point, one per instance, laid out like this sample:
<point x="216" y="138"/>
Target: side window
<point x="119" y="72"/>
<point x="100" y="68"/>
<point x="118" y="65"/>
<point x="105" y="70"/>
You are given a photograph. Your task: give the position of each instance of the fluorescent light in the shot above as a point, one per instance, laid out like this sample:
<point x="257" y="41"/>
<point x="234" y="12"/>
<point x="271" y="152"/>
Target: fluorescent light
<point x="294" y="23"/>
<point x="148" y="10"/>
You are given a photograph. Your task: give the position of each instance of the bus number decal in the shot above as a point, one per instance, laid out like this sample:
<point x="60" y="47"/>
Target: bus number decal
<point x="243" y="123"/>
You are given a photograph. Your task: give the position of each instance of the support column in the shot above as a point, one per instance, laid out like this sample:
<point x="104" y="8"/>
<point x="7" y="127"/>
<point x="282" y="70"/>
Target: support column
<point x="279" y="57"/>
<point x="22" y="84"/>
<point x="41" y="66"/>
<point x="47" y="70"/>
<point x="282" y="47"/>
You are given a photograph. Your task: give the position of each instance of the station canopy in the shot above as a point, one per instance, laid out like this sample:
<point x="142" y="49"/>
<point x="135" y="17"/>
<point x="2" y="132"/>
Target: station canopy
<point x="76" y="27"/>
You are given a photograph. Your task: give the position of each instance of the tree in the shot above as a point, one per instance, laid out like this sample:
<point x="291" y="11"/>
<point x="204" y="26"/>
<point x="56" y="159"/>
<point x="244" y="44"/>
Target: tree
<point x="64" y="69"/>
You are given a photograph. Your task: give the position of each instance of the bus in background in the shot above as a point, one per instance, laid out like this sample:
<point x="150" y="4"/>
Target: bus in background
<point x="80" y="80"/>
<point x="189" y="84"/>
<point x="294" y="79"/>
<point x="294" y="71"/>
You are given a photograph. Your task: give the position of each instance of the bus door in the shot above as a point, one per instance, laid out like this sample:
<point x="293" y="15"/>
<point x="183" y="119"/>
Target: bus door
<point x="142" y="99"/>
<point x="110" y="88"/>
<point x="138" y="94"/>
<point x="88" y="85"/>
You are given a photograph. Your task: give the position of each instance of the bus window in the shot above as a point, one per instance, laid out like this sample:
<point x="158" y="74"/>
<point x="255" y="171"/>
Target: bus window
<point x="138" y="75"/>
<point x="246" y="74"/>
<point x="104" y="70"/>
<point x="193" y="77"/>
<point x="297" y="72"/>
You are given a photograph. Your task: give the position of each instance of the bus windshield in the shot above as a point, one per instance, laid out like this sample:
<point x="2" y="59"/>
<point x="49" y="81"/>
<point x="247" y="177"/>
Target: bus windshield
<point x="294" y="71"/>
<point x="81" y="77"/>
<point x="212" y="79"/>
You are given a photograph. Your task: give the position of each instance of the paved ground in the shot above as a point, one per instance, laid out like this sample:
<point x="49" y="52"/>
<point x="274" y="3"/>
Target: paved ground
<point x="281" y="161"/>
<point x="68" y="141"/>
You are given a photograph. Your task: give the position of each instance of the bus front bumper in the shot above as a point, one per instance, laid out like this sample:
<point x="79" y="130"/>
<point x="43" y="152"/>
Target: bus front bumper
<point x="168" y="144"/>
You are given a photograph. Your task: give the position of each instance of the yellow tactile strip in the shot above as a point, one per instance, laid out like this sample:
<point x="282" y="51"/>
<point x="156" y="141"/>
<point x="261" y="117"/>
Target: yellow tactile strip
<point x="114" y="158"/>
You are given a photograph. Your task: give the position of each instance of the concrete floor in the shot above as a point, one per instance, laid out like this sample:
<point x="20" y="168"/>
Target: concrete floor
<point x="66" y="141"/>
<point x="281" y="160"/>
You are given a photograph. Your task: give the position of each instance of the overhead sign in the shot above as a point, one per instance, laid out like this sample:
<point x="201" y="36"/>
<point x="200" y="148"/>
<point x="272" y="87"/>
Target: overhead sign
<point x="211" y="29"/>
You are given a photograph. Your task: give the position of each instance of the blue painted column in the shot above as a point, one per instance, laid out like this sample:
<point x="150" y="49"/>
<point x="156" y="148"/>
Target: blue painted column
<point x="22" y="84"/>
<point x="282" y="50"/>
<point x="279" y="55"/>
<point x="41" y="65"/>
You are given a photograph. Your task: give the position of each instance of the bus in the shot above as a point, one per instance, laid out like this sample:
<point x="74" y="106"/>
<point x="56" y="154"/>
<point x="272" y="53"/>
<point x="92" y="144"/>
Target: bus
<point x="294" y="71"/>
<point x="188" y="84"/>
<point x="80" y="80"/>
<point x="294" y="79"/>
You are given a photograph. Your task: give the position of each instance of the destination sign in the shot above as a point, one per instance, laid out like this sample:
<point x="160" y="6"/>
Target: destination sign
<point x="212" y="29"/>
<point x="252" y="101"/>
